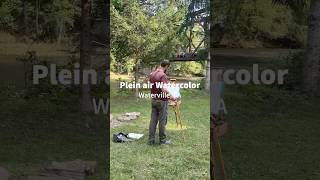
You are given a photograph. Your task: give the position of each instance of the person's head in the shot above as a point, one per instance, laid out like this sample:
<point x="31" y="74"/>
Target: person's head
<point x="165" y="64"/>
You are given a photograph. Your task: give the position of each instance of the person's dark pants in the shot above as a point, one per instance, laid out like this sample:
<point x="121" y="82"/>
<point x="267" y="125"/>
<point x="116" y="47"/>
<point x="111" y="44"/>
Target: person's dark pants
<point x="159" y="113"/>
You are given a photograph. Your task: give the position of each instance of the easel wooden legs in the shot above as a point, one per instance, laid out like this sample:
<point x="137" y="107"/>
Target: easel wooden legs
<point x="176" y="109"/>
<point x="217" y="171"/>
<point x="218" y="163"/>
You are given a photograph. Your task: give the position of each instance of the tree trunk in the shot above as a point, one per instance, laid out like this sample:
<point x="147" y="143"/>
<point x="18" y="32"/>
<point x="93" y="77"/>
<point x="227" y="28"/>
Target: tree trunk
<point x="106" y="12"/>
<point x="311" y="66"/>
<point x="311" y="81"/>
<point x="190" y="40"/>
<point x="207" y="80"/>
<point x="60" y="31"/>
<point x="25" y="17"/>
<point x="136" y="77"/>
<point x="106" y="15"/>
<point x="208" y="64"/>
<point x="37" y="17"/>
<point x="210" y="30"/>
<point x="85" y="58"/>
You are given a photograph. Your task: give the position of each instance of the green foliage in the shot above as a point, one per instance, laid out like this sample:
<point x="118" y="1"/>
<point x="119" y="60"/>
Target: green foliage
<point x="145" y="33"/>
<point x="294" y="63"/>
<point x="272" y="21"/>
<point x="56" y="18"/>
<point x="259" y="20"/>
<point x="202" y="84"/>
<point x="55" y="93"/>
<point x="60" y="17"/>
<point x="9" y="14"/>
<point x="45" y="89"/>
<point x="187" y="68"/>
<point x="296" y="5"/>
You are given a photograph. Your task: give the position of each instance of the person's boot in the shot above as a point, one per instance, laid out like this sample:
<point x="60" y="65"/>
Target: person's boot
<point x="165" y="142"/>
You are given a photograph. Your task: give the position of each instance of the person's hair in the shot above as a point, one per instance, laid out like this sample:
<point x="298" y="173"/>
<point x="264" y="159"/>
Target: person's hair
<point x="165" y="63"/>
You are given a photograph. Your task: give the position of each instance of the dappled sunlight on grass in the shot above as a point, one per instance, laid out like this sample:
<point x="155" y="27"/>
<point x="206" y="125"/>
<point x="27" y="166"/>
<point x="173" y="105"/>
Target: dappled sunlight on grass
<point x="173" y="127"/>
<point x="124" y="77"/>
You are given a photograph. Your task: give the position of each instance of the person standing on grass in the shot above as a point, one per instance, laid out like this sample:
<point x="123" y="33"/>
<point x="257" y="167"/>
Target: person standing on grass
<point x="159" y="104"/>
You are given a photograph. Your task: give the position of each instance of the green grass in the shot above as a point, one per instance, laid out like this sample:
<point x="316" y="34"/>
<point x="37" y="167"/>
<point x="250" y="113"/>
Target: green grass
<point x="37" y="131"/>
<point x="12" y="72"/>
<point x="187" y="158"/>
<point x="274" y="134"/>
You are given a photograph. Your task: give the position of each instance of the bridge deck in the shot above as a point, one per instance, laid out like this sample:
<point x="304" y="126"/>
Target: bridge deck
<point x="232" y="54"/>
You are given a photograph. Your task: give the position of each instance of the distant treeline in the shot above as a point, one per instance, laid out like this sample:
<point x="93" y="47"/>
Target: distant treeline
<point x="44" y="20"/>
<point x="259" y="23"/>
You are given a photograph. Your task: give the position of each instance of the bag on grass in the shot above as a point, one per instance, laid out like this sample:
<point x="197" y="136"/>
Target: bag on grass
<point x="121" y="138"/>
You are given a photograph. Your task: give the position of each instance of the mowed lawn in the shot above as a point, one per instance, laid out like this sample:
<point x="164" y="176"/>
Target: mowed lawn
<point x="36" y="130"/>
<point x="12" y="71"/>
<point x="188" y="156"/>
<point x="274" y="135"/>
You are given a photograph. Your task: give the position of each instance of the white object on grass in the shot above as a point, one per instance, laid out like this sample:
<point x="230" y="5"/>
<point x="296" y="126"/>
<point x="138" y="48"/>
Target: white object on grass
<point x="135" y="136"/>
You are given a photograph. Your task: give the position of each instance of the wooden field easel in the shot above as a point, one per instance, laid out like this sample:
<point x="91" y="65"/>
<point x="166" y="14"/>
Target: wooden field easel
<point x="177" y="112"/>
<point x="218" y="125"/>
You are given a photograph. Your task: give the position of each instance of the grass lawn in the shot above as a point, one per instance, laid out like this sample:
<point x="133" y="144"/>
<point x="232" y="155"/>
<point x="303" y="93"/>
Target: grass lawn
<point x="12" y="71"/>
<point x="187" y="158"/>
<point x="274" y="135"/>
<point x="37" y="131"/>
